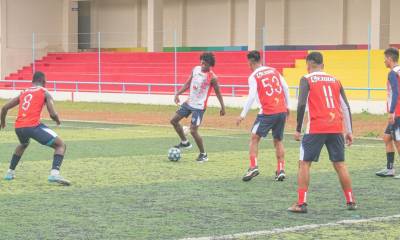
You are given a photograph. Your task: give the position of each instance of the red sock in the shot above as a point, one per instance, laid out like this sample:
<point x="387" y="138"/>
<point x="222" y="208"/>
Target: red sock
<point x="348" y="194"/>
<point x="302" y="196"/>
<point x="253" y="161"/>
<point x="280" y="166"/>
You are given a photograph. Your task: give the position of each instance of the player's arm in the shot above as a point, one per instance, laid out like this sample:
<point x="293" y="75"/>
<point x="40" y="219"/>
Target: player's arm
<point x="185" y="87"/>
<point x="348" y="123"/>
<point x="9" y="105"/>
<point x="214" y="82"/>
<point x="395" y="93"/>
<point x="250" y="100"/>
<point x="304" y="89"/>
<point x="285" y="88"/>
<point x="51" y="109"/>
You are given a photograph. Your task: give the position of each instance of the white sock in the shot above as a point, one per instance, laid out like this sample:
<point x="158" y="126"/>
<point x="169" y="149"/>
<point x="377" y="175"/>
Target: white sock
<point x="10" y="171"/>
<point x="54" y="172"/>
<point x="185" y="142"/>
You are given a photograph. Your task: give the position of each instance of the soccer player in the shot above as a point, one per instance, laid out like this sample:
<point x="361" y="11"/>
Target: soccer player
<point x="28" y="125"/>
<point x="324" y="97"/>
<point x="269" y="89"/>
<point x="200" y="82"/>
<point x="392" y="132"/>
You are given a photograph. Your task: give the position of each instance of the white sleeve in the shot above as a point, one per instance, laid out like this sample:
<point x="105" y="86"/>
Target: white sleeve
<point x="285" y="88"/>
<point x="252" y="96"/>
<point x="346" y="115"/>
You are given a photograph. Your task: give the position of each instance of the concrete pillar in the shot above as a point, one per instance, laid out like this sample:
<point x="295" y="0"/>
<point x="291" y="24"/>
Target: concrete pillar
<point x="70" y="26"/>
<point x="3" y="38"/>
<point x="256" y="24"/>
<point x="155" y="25"/>
<point x="380" y="21"/>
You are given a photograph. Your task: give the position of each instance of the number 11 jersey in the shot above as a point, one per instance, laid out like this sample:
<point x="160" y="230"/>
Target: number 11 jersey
<point x="31" y="102"/>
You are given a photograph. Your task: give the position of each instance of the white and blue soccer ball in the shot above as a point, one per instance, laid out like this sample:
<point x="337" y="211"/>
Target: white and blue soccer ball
<point x="174" y="154"/>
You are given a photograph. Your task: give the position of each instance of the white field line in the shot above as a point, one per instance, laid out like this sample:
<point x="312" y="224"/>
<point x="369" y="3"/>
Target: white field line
<point x="295" y="228"/>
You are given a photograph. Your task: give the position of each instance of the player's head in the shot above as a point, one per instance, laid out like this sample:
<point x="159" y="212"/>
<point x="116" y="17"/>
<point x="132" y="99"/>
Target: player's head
<point x="391" y="57"/>
<point x="207" y="60"/>
<point x="39" y="79"/>
<point x="315" y="62"/>
<point x="254" y="59"/>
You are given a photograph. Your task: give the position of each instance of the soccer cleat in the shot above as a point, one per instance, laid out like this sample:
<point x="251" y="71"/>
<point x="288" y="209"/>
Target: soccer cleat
<point x="58" y="179"/>
<point x="280" y="176"/>
<point x="9" y="176"/>
<point x="351" y="206"/>
<point x="202" y="158"/>
<point x="296" y="208"/>
<point x="251" y="173"/>
<point x="397" y="177"/>
<point x="183" y="145"/>
<point x="385" y="173"/>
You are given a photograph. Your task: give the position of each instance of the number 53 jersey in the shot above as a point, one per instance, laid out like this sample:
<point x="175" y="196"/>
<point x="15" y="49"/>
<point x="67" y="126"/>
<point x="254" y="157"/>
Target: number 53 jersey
<point x="31" y="102"/>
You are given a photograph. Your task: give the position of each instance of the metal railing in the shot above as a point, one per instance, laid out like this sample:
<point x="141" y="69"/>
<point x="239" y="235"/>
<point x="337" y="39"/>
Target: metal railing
<point x="123" y="87"/>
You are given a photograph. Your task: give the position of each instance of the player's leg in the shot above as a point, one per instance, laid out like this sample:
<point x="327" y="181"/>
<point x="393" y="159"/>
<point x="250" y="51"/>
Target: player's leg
<point x="197" y="117"/>
<point x="277" y="133"/>
<point x="182" y="112"/>
<point x="48" y="137"/>
<point x="396" y="140"/>
<point x="310" y="150"/>
<point x="253" y="154"/>
<point x="19" y="151"/>
<point x="335" y="145"/>
<point x="388" y="140"/>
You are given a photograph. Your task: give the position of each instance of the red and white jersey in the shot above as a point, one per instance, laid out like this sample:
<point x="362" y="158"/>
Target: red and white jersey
<point x="324" y="104"/>
<point x="31" y="102"/>
<point x="200" y="88"/>
<point x="269" y="89"/>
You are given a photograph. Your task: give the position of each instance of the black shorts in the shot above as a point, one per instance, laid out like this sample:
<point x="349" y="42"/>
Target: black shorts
<point x="274" y="122"/>
<point x="40" y="133"/>
<point x="394" y="129"/>
<point x="311" y="146"/>
<point x="197" y="114"/>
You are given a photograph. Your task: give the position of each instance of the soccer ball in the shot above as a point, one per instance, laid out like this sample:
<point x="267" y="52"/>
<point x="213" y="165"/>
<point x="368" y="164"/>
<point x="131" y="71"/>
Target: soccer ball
<point x="174" y="154"/>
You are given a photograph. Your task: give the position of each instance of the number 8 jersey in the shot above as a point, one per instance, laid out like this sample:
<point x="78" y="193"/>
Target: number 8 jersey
<point x="31" y="102"/>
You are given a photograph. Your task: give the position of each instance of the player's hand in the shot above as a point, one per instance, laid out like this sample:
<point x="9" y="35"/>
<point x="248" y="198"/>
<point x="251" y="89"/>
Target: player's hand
<point x="239" y="120"/>
<point x="287" y="113"/>
<point x="391" y="118"/>
<point x="297" y="136"/>
<point x="222" y="112"/>
<point x="349" y="139"/>
<point x="176" y="99"/>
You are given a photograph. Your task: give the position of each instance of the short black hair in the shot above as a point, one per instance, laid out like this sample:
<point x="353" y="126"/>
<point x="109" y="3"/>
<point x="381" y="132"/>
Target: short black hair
<point x="392" y="53"/>
<point x="38" y="77"/>
<point x="208" y="57"/>
<point x="315" y="57"/>
<point x="254" y="56"/>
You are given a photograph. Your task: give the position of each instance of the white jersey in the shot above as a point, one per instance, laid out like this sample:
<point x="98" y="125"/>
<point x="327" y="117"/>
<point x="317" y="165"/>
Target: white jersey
<point x="200" y="88"/>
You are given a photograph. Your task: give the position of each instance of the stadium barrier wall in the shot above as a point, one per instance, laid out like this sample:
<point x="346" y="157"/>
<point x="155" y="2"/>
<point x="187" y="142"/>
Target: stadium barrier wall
<point x="357" y="106"/>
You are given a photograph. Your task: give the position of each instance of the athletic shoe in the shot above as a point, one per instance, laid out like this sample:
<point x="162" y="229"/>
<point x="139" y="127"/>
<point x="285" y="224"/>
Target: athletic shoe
<point x="58" y="179"/>
<point x="9" y="176"/>
<point x="280" y="176"/>
<point x="397" y="177"/>
<point x="202" y="158"/>
<point x="183" y="145"/>
<point x="251" y="172"/>
<point x="351" y="206"/>
<point x="296" y="208"/>
<point x="385" y="173"/>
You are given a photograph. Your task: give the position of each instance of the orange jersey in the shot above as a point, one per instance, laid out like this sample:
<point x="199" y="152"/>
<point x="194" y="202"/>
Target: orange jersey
<point x="270" y="91"/>
<point x="31" y="102"/>
<point x="324" y="104"/>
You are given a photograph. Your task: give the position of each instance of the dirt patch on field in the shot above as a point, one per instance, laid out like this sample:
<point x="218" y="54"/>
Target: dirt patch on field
<point x="363" y="125"/>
